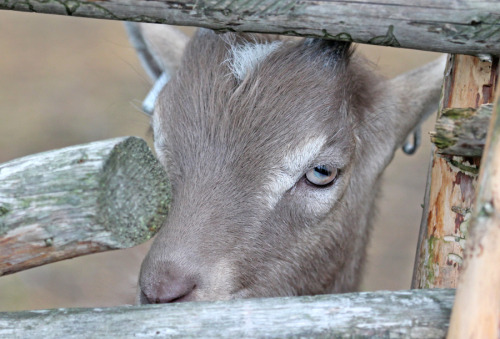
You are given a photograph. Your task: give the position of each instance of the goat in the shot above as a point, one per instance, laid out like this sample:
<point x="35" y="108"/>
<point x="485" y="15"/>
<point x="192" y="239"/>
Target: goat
<point x="274" y="148"/>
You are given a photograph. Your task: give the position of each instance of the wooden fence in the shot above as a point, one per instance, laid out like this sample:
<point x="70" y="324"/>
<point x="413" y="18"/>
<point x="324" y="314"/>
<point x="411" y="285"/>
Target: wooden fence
<point x="460" y="224"/>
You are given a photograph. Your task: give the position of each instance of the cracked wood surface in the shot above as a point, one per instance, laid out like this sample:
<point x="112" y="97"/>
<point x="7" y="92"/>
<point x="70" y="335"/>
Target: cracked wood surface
<point x="79" y="200"/>
<point x="402" y="314"/>
<point x="467" y="27"/>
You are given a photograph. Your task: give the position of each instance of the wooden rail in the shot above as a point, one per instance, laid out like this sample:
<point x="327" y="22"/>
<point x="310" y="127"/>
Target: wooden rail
<point x="404" y="314"/>
<point x="467" y="26"/>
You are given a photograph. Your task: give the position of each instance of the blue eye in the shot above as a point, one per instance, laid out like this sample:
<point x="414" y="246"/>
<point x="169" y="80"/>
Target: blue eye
<point x="322" y="175"/>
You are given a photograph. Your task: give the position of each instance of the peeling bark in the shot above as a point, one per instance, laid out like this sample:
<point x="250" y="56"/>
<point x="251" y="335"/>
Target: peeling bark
<point x="476" y="313"/>
<point x="468" y="83"/>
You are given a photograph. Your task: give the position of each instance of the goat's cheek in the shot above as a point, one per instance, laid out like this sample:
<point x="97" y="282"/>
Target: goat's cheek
<point x="313" y="203"/>
<point x="222" y="277"/>
<point x="320" y="204"/>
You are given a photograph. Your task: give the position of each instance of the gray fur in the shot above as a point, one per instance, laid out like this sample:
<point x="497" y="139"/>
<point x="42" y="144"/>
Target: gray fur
<point x="244" y="222"/>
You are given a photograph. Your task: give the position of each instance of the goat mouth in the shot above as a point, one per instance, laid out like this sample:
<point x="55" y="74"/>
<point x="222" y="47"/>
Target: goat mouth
<point x="183" y="298"/>
<point x="188" y="296"/>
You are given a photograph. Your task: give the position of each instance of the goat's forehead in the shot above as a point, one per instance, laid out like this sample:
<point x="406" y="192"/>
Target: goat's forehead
<point x="249" y="81"/>
<point x="251" y="148"/>
<point x="271" y="125"/>
<point x="225" y="104"/>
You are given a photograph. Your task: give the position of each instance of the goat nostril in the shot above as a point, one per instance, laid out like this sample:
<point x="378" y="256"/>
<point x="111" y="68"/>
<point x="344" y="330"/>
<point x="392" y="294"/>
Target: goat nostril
<point x="177" y="290"/>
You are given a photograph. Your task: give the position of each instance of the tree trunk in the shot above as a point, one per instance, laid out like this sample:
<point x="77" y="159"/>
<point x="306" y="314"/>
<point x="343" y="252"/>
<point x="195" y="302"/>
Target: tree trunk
<point x="79" y="200"/>
<point x="466" y="26"/>
<point x="403" y="314"/>
<point x="468" y="83"/>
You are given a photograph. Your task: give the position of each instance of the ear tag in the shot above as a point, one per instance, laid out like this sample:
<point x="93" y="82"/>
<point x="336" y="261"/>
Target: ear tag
<point x="148" y="104"/>
<point x="410" y="148"/>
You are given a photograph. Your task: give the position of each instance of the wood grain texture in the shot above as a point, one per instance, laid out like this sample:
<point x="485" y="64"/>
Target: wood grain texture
<point x="468" y="83"/>
<point x="468" y="27"/>
<point x="462" y="131"/>
<point x="476" y="313"/>
<point x="403" y="314"/>
<point x="79" y="200"/>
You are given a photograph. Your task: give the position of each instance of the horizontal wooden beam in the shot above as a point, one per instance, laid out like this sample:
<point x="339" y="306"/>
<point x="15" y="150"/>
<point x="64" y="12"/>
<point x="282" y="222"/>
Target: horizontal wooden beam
<point x="466" y="27"/>
<point x="403" y="314"/>
<point x="79" y="200"/>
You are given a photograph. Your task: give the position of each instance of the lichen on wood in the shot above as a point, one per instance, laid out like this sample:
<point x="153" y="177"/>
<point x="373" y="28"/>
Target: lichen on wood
<point x="79" y="200"/>
<point x="131" y="213"/>
<point x="462" y="131"/>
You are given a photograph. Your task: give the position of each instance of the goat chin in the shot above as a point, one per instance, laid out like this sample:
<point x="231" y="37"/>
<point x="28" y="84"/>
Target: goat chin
<point x="274" y="150"/>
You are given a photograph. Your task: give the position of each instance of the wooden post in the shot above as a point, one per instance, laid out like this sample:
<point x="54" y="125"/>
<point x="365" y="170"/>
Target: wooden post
<point x="469" y="83"/>
<point x="476" y="312"/>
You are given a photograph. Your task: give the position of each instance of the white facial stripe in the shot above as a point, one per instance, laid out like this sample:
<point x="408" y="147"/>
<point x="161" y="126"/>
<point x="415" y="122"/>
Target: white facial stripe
<point x="278" y="184"/>
<point x="246" y="57"/>
<point x="292" y="168"/>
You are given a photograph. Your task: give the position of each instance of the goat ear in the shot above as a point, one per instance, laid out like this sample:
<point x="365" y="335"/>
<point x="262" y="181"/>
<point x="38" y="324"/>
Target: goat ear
<point x="160" y="47"/>
<point x="415" y="96"/>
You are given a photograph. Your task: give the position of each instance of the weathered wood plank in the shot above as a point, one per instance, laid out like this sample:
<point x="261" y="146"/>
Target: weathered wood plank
<point x="468" y="83"/>
<point x="476" y="313"/>
<point x="467" y="27"/>
<point x="462" y="131"/>
<point x="403" y="314"/>
<point x="79" y="200"/>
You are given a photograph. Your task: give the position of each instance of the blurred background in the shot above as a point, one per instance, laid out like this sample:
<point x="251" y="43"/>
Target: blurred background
<point x="66" y="81"/>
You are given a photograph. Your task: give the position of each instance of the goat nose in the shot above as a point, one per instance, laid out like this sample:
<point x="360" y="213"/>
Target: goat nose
<point x="173" y="288"/>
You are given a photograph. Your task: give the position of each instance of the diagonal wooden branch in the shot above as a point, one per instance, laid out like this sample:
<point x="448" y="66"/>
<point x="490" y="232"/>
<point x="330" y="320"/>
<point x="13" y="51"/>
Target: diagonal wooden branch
<point x="402" y="314"/>
<point x="476" y="313"/>
<point x="462" y="131"/>
<point x="79" y="200"/>
<point x="467" y="26"/>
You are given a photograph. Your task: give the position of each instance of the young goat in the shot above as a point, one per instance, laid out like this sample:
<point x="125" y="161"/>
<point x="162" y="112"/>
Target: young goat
<point x="275" y="150"/>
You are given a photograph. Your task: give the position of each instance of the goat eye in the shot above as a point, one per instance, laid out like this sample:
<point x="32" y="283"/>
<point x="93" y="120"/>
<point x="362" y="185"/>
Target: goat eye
<point x="322" y="175"/>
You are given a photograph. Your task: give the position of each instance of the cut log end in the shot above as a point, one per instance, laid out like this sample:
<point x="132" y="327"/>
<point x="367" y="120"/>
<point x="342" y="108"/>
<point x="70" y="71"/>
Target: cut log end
<point x="135" y="196"/>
